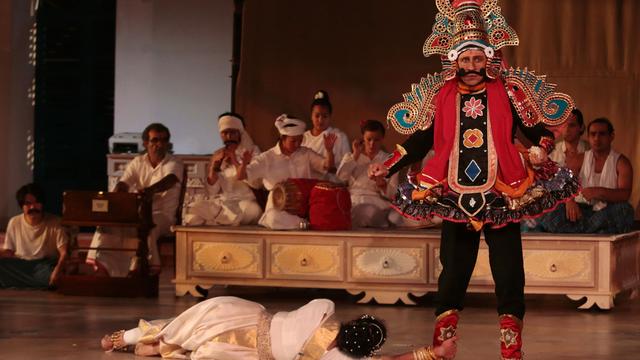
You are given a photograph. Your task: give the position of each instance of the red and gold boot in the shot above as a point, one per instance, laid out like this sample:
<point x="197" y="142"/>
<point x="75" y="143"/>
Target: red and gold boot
<point x="510" y="337"/>
<point x="446" y="327"/>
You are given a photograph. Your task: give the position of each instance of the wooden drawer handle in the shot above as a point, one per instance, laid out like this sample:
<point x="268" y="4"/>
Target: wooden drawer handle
<point x="385" y="264"/>
<point x="225" y="258"/>
<point x="553" y="268"/>
<point x="304" y="262"/>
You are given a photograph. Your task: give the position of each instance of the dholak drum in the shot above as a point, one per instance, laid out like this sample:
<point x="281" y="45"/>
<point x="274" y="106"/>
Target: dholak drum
<point x="292" y="196"/>
<point x="330" y="207"/>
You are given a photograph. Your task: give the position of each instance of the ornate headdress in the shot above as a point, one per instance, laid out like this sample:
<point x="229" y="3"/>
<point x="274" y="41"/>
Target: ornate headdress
<point x="465" y="23"/>
<point x="477" y="24"/>
<point x="469" y="24"/>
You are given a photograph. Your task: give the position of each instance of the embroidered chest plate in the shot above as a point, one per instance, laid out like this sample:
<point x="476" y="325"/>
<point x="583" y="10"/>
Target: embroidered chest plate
<point x="472" y="163"/>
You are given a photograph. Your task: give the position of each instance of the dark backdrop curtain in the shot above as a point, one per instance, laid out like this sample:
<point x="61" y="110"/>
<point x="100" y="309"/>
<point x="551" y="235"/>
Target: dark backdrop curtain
<point x="366" y="53"/>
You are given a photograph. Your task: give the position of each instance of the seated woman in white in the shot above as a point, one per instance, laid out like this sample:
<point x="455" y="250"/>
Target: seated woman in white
<point x="288" y="159"/>
<point x="321" y="111"/>
<point x="236" y="329"/>
<point x="370" y="199"/>
<point x="229" y="201"/>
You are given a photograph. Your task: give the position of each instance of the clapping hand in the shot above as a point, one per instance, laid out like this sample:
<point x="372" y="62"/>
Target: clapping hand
<point x="357" y="146"/>
<point x="329" y="141"/>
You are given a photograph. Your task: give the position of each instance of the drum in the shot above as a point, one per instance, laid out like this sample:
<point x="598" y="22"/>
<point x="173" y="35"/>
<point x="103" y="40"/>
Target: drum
<point x="330" y="207"/>
<point x="292" y="196"/>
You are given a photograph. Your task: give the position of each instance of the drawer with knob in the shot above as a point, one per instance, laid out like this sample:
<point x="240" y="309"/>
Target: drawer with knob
<point x="321" y="261"/>
<point x="567" y="267"/>
<point x="401" y="264"/>
<point x="230" y="259"/>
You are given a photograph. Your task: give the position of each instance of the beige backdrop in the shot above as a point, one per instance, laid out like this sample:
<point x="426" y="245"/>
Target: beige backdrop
<point x="366" y="53"/>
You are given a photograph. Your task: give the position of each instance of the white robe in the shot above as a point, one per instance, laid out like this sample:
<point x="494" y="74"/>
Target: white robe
<point x="273" y="167"/>
<point x="370" y="205"/>
<point x="340" y="148"/>
<point x="558" y="154"/>
<point x="189" y="334"/>
<point x="227" y="202"/>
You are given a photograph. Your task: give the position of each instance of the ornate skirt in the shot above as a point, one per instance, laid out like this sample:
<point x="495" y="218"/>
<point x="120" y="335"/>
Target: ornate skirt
<point x="547" y="191"/>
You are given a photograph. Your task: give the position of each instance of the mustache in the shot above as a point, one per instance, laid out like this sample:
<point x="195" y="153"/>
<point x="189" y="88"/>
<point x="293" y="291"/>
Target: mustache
<point x="231" y="142"/>
<point x="463" y="72"/>
<point x="34" y="211"/>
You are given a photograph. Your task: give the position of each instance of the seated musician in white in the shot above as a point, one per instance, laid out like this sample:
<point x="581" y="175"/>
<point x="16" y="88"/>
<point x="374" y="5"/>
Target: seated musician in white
<point x="606" y="177"/>
<point x="229" y="201"/>
<point x="288" y="159"/>
<point x="157" y="175"/>
<point x="370" y="198"/>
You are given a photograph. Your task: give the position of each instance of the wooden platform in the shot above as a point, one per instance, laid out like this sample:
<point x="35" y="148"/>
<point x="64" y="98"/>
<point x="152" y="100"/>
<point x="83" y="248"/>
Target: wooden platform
<point x="390" y="265"/>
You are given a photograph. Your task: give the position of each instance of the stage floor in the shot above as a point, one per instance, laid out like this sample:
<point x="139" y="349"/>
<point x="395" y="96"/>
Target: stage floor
<point x="44" y="325"/>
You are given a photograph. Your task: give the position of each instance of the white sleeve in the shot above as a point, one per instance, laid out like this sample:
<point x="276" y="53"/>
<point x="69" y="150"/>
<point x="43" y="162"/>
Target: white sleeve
<point x="9" y="238"/>
<point x="316" y="161"/>
<point x="130" y="176"/>
<point x="345" y="169"/>
<point x="342" y="147"/>
<point x="257" y="169"/>
<point x="175" y="167"/>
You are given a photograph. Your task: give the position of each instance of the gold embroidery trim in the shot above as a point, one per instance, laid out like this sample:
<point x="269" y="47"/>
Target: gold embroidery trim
<point x="264" y="337"/>
<point x="320" y="340"/>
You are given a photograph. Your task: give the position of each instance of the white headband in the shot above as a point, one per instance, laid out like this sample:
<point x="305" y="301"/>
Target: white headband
<point x="230" y="122"/>
<point x="290" y="126"/>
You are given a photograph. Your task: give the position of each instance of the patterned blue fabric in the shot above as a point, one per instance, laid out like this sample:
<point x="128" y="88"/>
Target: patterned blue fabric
<point x="616" y="218"/>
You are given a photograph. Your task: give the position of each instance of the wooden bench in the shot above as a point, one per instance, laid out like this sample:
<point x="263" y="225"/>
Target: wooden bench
<point x="388" y="265"/>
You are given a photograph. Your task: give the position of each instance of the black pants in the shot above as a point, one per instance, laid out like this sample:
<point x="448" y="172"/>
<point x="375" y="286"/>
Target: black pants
<point x="458" y="254"/>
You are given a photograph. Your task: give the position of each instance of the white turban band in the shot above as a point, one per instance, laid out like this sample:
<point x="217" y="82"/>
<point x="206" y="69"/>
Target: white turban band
<point x="290" y="126"/>
<point x="230" y="122"/>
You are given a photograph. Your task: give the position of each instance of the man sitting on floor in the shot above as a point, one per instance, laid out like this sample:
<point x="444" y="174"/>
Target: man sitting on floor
<point x="607" y="178"/>
<point x="288" y="159"/>
<point x="35" y="246"/>
<point x="230" y="201"/>
<point x="157" y="175"/>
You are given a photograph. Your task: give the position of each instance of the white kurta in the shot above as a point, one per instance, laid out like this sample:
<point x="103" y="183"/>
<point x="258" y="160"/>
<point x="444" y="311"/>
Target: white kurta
<point x="35" y="242"/>
<point x="340" y="148"/>
<point x="370" y="205"/>
<point x="273" y="167"/>
<point x="189" y="334"/>
<point x="228" y="201"/>
<point x="140" y="174"/>
<point x="558" y="154"/>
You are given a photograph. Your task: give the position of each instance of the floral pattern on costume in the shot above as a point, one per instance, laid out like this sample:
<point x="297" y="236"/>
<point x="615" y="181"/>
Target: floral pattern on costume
<point x="473" y="108"/>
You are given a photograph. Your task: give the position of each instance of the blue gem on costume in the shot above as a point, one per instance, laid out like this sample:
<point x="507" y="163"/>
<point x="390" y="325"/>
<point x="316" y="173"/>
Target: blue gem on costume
<point x="473" y="170"/>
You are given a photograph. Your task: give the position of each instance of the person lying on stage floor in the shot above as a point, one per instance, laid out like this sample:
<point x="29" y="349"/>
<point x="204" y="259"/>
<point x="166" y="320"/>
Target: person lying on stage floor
<point x="230" y="201"/>
<point x="232" y="328"/>
<point x="606" y="177"/>
<point x="321" y="111"/>
<point x="157" y="175"/>
<point x="287" y="159"/>
<point x="370" y="198"/>
<point x="35" y="244"/>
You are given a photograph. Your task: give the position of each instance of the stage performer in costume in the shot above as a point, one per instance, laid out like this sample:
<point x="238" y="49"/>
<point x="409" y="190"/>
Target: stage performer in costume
<point x="231" y="328"/>
<point x="479" y="180"/>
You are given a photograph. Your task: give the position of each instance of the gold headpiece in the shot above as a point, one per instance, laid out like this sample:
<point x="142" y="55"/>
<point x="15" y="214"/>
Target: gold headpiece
<point x="468" y="24"/>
